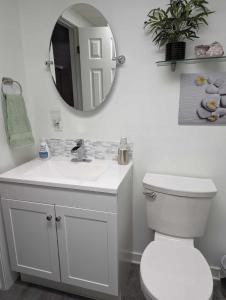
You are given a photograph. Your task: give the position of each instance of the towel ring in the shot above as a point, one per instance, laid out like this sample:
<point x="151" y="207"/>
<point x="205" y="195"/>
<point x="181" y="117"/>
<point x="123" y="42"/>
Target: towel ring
<point x="10" y="81"/>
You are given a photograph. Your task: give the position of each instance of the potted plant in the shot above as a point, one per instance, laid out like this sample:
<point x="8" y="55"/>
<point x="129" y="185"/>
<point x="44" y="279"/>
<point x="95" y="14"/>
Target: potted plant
<point x="179" y="22"/>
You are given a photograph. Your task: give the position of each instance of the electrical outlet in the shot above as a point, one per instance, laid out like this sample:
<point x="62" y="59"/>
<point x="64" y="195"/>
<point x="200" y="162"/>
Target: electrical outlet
<point x="56" y="120"/>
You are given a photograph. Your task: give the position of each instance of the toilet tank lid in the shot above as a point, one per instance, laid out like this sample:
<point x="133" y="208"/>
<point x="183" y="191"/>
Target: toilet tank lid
<point x="180" y="186"/>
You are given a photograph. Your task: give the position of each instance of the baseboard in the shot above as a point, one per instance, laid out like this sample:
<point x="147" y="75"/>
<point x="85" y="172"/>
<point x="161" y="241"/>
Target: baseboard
<point x="136" y="258"/>
<point x="215" y="272"/>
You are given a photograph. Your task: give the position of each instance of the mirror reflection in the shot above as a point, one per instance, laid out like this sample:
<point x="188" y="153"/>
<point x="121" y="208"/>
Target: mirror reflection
<point x="82" y="53"/>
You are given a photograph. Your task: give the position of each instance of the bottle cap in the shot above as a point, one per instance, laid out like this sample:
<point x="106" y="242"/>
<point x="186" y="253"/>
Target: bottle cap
<point x="123" y="141"/>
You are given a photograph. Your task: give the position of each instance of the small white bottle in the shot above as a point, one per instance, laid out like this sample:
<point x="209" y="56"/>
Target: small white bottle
<point x="44" y="152"/>
<point x="123" y="152"/>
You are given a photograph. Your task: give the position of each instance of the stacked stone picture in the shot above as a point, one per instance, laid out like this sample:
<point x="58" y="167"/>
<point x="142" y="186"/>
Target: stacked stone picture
<point x="203" y="99"/>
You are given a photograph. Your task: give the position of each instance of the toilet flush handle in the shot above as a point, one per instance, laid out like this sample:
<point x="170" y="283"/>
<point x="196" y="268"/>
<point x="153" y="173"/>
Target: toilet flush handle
<point x="152" y="195"/>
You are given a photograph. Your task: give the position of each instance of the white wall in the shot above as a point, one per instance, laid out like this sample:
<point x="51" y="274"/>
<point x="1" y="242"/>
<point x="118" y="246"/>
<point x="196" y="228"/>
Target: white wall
<point x="143" y="105"/>
<point x="75" y="18"/>
<point x="11" y="65"/>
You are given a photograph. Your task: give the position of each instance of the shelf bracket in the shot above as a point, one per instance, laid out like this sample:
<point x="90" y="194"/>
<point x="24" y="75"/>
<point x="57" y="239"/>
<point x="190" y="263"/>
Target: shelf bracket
<point x="173" y="66"/>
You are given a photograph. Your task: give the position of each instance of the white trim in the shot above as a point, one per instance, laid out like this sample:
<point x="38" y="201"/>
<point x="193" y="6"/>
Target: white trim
<point x="215" y="272"/>
<point x="136" y="258"/>
<point x="68" y="288"/>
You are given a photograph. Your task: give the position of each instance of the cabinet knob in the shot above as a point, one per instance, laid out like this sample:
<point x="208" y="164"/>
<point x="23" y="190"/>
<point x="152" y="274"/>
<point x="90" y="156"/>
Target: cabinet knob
<point x="58" y="219"/>
<point x="49" y="218"/>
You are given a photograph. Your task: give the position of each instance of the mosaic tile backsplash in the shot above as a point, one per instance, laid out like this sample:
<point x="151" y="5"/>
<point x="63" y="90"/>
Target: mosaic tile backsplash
<point x="93" y="149"/>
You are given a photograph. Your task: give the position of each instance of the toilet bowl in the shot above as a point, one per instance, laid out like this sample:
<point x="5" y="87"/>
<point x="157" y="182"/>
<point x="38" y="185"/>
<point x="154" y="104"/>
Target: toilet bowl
<point x="177" y="209"/>
<point x="174" y="271"/>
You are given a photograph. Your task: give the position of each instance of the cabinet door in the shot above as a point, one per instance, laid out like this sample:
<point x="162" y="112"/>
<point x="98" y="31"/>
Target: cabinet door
<point x="88" y="249"/>
<point x="32" y="239"/>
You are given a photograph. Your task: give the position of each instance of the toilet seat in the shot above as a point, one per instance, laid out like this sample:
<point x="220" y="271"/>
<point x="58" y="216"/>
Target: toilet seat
<point x="174" y="272"/>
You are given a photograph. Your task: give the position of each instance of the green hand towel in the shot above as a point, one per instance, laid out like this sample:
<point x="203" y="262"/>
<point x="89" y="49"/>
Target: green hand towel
<point x="17" y="124"/>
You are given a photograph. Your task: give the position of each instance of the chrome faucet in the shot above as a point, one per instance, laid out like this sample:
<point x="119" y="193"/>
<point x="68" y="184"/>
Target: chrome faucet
<point x="79" y="152"/>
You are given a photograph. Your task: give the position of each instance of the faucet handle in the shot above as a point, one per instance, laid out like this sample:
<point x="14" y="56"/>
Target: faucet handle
<point x="79" y="146"/>
<point x="79" y="142"/>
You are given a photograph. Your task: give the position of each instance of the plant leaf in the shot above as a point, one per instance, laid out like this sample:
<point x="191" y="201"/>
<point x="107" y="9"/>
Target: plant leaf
<point x="180" y="20"/>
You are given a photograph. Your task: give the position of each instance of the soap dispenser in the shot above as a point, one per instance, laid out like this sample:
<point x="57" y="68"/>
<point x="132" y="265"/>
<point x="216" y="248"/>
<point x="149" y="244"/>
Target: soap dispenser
<point x="44" y="152"/>
<point x="123" y="152"/>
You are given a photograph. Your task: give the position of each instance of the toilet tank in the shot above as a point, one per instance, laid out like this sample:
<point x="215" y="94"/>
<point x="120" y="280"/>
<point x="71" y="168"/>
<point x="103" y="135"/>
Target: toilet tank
<point x="176" y="205"/>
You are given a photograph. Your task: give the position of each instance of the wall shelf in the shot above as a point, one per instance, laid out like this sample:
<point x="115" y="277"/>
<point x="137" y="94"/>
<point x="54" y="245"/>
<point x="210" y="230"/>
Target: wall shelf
<point x="173" y="63"/>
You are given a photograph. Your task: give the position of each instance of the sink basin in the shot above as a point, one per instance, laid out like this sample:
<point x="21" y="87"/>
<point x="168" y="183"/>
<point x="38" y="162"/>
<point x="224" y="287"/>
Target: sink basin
<point x="69" y="170"/>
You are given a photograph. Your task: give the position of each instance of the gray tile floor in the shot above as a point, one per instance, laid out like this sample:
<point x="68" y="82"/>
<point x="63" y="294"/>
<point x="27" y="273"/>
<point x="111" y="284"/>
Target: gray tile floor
<point x="24" y="291"/>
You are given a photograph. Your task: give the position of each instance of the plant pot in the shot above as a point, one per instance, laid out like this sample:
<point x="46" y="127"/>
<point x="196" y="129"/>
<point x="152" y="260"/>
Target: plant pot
<point x="175" y="51"/>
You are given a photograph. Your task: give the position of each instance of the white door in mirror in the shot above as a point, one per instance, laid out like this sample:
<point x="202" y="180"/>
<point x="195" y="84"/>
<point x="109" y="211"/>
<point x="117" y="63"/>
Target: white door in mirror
<point x="97" y="51"/>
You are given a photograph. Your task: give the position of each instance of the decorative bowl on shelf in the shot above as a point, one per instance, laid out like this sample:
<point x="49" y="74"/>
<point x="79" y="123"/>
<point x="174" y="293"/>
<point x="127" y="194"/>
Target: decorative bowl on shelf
<point x="213" y="50"/>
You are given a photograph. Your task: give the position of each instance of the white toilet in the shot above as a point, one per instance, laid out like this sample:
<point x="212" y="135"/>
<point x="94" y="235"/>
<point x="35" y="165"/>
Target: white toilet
<point x="177" y="209"/>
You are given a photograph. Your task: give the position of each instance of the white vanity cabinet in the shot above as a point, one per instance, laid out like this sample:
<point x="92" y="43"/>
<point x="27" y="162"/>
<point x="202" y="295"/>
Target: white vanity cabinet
<point x="32" y="238"/>
<point x="88" y="248"/>
<point x="86" y="241"/>
<point x="69" y="239"/>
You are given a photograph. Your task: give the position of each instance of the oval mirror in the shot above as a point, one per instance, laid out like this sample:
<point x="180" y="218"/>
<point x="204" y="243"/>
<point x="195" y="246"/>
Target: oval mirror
<point x="82" y="57"/>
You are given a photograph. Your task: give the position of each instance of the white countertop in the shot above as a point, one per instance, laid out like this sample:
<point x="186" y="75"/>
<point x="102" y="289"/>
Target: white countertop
<point x="62" y="173"/>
